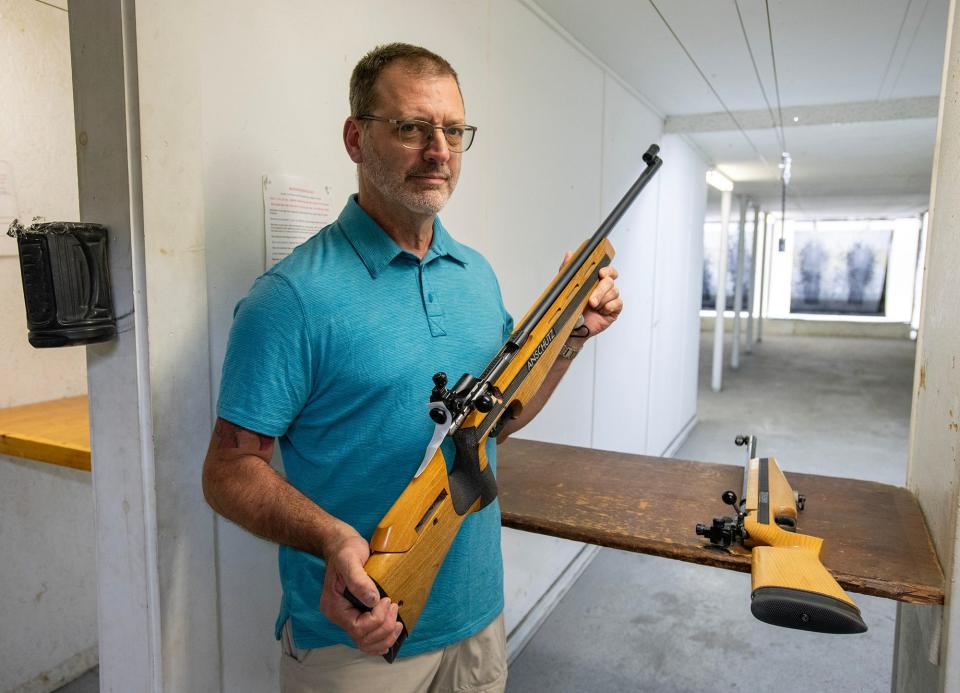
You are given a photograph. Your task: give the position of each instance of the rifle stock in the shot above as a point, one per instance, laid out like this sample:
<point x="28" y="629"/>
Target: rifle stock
<point x="411" y="541"/>
<point x="790" y="587"/>
<point x="413" y="538"/>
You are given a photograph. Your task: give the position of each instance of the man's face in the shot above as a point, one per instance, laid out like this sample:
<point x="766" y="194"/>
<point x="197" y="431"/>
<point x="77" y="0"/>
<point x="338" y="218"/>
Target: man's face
<point x="421" y="181"/>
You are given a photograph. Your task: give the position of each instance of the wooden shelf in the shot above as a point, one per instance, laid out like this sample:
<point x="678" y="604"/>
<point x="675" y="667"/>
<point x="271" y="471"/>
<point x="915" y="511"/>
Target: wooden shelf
<point x="875" y="539"/>
<point x="57" y="432"/>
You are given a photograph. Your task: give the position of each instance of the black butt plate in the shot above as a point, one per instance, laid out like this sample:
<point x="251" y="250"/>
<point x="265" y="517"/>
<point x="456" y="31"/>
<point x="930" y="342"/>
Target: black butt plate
<point x="780" y="606"/>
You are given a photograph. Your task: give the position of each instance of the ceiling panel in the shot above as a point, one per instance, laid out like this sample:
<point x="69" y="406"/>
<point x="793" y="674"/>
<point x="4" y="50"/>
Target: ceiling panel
<point x="826" y="52"/>
<point x="869" y="160"/>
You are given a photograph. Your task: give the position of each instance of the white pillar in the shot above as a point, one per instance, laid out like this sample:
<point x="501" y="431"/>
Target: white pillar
<point x="716" y="379"/>
<point x="738" y="286"/>
<point x="764" y="261"/>
<point x="137" y="113"/>
<point x="927" y="654"/>
<point x="753" y="278"/>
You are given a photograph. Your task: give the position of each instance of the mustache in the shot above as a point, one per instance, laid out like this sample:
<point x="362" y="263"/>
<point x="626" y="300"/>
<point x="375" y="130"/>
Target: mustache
<point x="433" y="172"/>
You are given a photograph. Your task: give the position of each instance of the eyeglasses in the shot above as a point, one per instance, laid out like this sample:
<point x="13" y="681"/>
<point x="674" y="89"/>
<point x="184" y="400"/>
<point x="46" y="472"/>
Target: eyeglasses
<point x="417" y="134"/>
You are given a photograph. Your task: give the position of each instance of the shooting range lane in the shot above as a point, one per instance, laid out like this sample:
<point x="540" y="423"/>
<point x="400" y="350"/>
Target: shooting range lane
<point x="875" y="539"/>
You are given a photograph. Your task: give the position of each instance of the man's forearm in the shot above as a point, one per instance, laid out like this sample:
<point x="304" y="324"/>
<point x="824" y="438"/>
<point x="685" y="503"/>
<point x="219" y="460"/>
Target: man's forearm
<point x="240" y="484"/>
<point x="536" y="403"/>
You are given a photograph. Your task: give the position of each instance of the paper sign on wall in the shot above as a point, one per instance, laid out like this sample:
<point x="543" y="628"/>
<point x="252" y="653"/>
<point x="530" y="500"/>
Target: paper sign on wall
<point x="8" y="208"/>
<point x="294" y="209"/>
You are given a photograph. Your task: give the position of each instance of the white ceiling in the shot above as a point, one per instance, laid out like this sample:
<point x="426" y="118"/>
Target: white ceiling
<point x="826" y="53"/>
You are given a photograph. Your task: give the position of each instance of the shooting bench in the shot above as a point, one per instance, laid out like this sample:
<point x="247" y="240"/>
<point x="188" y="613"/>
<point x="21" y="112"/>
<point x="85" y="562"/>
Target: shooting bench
<point x="875" y="539"/>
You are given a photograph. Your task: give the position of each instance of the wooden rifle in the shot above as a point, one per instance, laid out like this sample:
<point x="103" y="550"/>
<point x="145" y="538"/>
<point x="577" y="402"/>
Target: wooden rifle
<point x="412" y="540"/>
<point x="790" y="586"/>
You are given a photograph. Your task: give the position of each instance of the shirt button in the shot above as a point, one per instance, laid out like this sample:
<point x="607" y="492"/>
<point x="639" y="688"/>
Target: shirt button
<point x="430" y="297"/>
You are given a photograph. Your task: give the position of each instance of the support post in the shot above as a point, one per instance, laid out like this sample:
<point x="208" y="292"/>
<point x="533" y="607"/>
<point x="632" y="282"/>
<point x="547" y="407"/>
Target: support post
<point x="763" y="278"/>
<point x="716" y="379"/>
<point x="738" y="286"/>
<point x="149" y="388"/>
<point x="927" y="641"/>
<point x="752" y="301"/>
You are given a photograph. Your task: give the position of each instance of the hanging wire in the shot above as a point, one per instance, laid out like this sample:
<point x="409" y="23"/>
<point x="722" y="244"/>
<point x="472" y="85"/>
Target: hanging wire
<point x="893" y="52"/>
<point x="909" y="47"/>
<point x="704" y="76"/>
<point x="756" y="71"/>
<point x="785" y="160"/>
<point x="776" y="78"/>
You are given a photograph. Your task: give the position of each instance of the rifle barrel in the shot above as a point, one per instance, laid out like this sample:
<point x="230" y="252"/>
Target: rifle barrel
<point x="653" y="163"/>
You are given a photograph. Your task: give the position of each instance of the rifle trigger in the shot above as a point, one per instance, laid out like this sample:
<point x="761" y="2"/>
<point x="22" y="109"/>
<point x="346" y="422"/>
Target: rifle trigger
<point x="437" y="410"/>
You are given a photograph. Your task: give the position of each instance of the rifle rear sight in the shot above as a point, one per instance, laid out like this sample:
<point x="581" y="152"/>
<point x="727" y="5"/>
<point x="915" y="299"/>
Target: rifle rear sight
<point x="725" y="530"/>
<point x="459" y="397"/>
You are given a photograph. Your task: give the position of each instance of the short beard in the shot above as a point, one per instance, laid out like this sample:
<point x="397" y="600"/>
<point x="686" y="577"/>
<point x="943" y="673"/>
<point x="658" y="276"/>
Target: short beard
<point x="393" y="185"/>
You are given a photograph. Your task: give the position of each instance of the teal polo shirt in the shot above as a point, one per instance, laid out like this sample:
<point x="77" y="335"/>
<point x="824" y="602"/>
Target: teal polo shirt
<point x="333" y="352"/>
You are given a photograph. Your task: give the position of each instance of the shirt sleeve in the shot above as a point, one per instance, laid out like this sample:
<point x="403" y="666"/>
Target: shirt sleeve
<point x="268" y="369"/>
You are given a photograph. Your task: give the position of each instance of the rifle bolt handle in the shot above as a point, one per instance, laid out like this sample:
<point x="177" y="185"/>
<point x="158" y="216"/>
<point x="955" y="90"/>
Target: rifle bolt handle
<point x="484" y="403"/>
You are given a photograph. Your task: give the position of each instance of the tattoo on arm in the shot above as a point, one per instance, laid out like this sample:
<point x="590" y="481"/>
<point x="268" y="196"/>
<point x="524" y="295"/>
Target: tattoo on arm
<point x="229" y="436"/>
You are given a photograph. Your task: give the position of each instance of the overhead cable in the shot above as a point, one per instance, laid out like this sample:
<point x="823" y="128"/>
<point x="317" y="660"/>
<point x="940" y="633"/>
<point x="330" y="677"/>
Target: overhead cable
<point x="704" y="76"/>
<point x="756" y="71"/>
<point x="913" y="39"/>
<point x="893" y="51"/>
<point x="776" y="78"/>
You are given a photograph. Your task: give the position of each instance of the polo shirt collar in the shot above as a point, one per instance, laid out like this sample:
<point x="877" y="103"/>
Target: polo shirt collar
<point x="377" y="250"/>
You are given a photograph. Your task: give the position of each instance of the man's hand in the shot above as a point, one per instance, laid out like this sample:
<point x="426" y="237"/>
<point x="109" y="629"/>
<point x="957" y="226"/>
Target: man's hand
<point x="373" y="631"/>
<point x="604" y="304"/>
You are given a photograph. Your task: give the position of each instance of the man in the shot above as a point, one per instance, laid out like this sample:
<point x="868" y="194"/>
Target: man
<point x="332" y="352"/>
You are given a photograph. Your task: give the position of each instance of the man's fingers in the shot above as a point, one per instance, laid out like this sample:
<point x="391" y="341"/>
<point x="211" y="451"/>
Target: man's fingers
<point x="359" y="583"/>
<point x="609" y="271"/>
<point x="368" y="622"/>
<point x="608" y="298"/>
<point x="376" y="626"/>
<point x="566" y="257"/>
<point x="605" y="291"/>
<point x="379" y="646"/>
<point x="614" y="307"/>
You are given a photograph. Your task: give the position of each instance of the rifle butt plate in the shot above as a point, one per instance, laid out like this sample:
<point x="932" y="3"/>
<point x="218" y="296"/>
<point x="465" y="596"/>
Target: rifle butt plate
<point x="782" y="606"/>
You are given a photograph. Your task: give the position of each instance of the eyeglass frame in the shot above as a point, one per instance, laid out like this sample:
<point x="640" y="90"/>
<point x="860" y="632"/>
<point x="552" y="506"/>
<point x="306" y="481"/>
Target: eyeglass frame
<point x="397" y="122"/>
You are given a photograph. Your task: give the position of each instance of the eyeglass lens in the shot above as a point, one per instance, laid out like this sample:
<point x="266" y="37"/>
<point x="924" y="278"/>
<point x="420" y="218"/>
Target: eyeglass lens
<point x="417" y="135"/>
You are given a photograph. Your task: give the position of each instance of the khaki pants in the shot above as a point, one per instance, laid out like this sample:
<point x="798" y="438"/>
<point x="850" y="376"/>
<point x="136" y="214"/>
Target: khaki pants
<point x="475" y="665"/>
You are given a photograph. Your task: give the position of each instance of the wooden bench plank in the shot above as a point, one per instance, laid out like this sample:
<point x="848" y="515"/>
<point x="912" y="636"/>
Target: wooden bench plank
<point x="875" y="539"/>
<point x="57" y="432"/>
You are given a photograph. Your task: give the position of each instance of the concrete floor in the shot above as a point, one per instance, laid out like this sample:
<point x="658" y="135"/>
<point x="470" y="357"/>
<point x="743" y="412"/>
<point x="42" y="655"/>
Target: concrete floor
<point x="639" y="623"/>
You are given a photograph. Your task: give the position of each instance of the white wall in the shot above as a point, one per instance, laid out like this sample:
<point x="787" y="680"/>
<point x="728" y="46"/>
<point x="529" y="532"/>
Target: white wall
<point x="676" y="325"/>
<point x="48" y="600"/>
<point x="37" y="148"/>
<point x="559" y="142"/>
<point x="48" y="626"/>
